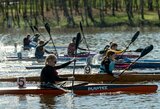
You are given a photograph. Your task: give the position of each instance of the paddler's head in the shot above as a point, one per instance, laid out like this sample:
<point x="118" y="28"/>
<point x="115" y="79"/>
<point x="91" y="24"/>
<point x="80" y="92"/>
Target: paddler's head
<point x="74" y="39"/>
<point x="28" y="36"/>
<point x="51" y="60"/>
<point x="41" y="42"/>
<point x="114" y="46"/>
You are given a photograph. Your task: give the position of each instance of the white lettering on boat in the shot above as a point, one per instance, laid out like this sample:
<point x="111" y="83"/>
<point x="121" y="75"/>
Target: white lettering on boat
<point x="98" y="88"/>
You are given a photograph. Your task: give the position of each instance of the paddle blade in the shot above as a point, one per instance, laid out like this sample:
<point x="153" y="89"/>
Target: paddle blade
<point x="78" y="40"/>
<point x="139" y="50"/>
<point x="35" y="28"/>
<point x="32" y="28"/>
<point x="80" y="24"/>
<point x="135" y="36"/>
<point x="47" y="28"/>
<point x="146" y="50"/>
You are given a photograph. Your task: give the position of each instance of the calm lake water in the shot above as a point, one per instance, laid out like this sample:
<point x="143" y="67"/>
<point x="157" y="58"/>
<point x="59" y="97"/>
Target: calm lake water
<point x="69" y="101"/>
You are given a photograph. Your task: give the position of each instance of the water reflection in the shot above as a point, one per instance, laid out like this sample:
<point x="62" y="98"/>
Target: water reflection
<point x="47" y="101"/>
<point x="23" y="102"/>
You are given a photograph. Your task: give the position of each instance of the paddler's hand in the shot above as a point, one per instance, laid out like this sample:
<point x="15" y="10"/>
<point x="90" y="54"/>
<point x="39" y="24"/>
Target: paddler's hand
<point x="50" y="38"/>
<point x="116" y="76"/>
<point x="71" y="78"/>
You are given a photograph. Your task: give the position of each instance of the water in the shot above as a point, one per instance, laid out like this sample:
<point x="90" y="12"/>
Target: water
<point x="68" y="101"/>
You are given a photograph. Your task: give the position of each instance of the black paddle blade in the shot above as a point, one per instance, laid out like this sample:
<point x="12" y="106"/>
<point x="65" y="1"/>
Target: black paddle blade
<point x="81" y="26"/>
<point x="47" y="27"/>
<point x="78" y="40"/>
<point x="146" y="50"/>
<point x="139" y="50"/>
<point x="32" y="28"/>
<point x="135" y="36"/>
<point x="35" y="28"/>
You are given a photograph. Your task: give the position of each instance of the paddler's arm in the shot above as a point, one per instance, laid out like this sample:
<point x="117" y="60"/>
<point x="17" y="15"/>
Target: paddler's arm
<point x="118" y="51"/>
<point x="48" y="52"/>
<point x="64" y="65"/>
<point x="45" y="43"/>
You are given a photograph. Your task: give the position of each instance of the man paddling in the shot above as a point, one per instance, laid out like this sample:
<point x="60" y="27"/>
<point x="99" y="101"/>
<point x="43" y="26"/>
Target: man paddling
<point x="26" y="42"/>
<point x="49" y="74"/>
<point x="72" y="47"/>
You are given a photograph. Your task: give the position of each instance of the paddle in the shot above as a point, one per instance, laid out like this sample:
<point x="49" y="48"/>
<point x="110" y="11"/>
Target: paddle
<point x="48" y="30"/>
<point x="32" y="29"/>
<point x="78" y="39"/>
<point x="35" y="27"/>
<point x="132" y="40"/>
<point x="137" y="50"/>
<point x="84" y="36"/>
<point x="143" y="53"/>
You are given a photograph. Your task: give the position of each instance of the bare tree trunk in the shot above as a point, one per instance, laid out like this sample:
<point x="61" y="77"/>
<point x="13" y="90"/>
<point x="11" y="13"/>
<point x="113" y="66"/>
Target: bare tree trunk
<point x="76" y="7"/>
<point x="113" y="7"/>
<point x="128" y="10"/>
<point x="42" y="10"/>
<point x="142" y="8"/>
<point x="55" y="10"/>
<point x="85" y="12"/>
<point x="158" y="10"/>
<point x="71" y="13"/>
<point x="150" y="5"/>
<point x="102" y="2"/>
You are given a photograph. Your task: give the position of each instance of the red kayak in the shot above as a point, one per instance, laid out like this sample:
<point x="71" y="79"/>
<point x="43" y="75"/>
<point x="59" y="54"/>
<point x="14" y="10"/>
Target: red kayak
<point x="32" y="90"/>
<point x="83" y="88"/>
<point x="114" y="88"/>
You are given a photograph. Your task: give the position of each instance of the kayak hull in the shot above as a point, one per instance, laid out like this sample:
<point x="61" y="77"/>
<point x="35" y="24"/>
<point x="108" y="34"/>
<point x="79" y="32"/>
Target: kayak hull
<point x="114" y="88"/>
<point x="84" y="89"/>
<point x="127" y="77"/>
<point x="31" y="90"/>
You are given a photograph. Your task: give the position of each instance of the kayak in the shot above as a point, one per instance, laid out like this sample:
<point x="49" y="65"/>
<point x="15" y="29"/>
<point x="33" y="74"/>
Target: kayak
<point x="81" y="57"/>
<point x="31" y="90"/>
<point x="84" y="89"/>
<point x="60" y="58"/>
<point x="113" y="88"/>
<point x="127" y="77"/>
<point x="139" y="65"/>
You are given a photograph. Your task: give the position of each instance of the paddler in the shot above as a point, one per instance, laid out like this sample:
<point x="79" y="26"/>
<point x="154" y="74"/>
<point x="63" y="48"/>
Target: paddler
<point x="114" y="47"/>
<point x="40" y="50"/>
<point x="72" y="47"/>
<point x="108" y="64"/>
<point x="26" y="42"/>
<point x="35" y="40"/>
<point x="49" y="74"/>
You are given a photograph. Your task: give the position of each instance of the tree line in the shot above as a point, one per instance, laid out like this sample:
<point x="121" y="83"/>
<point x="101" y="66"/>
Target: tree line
<point x="71" y="12"/>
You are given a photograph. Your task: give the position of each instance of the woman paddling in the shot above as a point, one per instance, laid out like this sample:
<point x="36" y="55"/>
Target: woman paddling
<point x="49" y="74"/>
<point x="108" y="64"/>
<point x="40" y="50"/>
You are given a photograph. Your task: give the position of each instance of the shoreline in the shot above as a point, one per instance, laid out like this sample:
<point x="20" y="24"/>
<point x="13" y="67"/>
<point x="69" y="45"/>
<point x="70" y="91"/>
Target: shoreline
<point x="87" y="30"/>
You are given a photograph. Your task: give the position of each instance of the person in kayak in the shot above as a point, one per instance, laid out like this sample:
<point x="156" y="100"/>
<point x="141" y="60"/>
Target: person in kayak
<point x="108" y="64"/>
<point x="35" y="40"/>
<point x="105" y="49"/>
<point x="72" y="47"/>
<point x="26" y="42"/>
<point x="40" y="50"/>
<point x="114" y="47"/>
<point x="49" y="74"/>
